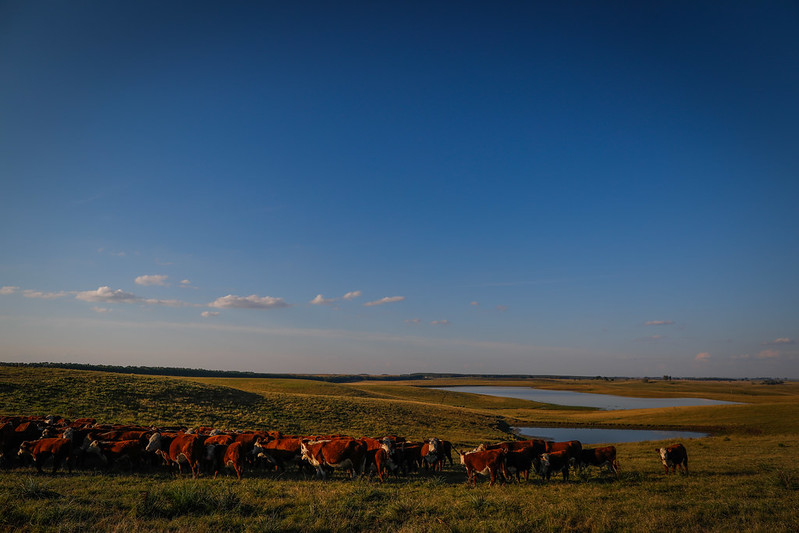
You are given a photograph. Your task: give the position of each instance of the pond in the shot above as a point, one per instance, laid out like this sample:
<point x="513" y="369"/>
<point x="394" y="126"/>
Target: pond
<point x="609" y="436"/>
<point x="584" y="399"/>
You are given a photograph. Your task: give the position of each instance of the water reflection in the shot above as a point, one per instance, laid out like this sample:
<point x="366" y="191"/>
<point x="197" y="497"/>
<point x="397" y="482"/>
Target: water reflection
<point x="605" y="436"/>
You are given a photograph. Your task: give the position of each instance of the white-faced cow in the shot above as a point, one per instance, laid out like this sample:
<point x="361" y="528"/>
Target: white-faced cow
<point x="488" y="462"/>
<point x="673" y="456"/>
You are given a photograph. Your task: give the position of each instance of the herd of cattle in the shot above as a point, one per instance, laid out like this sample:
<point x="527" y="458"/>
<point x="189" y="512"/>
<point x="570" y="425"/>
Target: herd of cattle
<point x="84" y="443"/>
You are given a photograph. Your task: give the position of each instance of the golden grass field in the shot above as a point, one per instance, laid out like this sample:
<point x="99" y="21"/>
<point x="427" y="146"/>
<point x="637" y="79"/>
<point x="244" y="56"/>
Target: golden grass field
<point x="743" y="478"/>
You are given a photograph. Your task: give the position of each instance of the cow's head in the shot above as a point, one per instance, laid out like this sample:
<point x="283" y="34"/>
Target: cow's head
<point x="154" y="443"/>
<point x="663" y="454"/>
<point x="68" y="434"/>
<point x="462" y="456"/>
<point x="544" y="465"/>
<point x="25" y="448"/>
<point x="434" y="445"/>
<point x="96" y="448"/>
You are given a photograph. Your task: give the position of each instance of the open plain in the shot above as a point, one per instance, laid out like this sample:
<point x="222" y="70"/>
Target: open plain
<point x="743" y="478"/>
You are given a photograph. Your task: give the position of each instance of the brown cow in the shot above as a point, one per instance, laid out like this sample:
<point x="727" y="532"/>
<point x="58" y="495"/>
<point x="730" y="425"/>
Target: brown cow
<point x="554" y="462"/>
<point x="232" y="458"/>
<point x="110" y="452"/>
<point x="349" y="454"/>
<point x="433" y="454"/>
<point x="599" y="457"/>
<point x="488" y="462"/>
<point x="674" y="456"/>
<point x="182" y="448"/>
<point x="42" y="449"/>
<point x="280" y="451"/>
<point x="519" y="463"/>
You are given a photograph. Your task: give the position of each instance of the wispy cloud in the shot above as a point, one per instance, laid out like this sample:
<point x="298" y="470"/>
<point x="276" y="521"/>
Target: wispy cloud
<point x="248" y="302"/>
<point x="8" y="289"/>
<point x="777" y="342"/>
<point x="440" y="323"/>
<point x="106" y="294"/>
<point x="414" y="321"/>
<point x="769" y="354"/>
<point x="153" y="279"/>
<point x="45" y="295"/>
<point x="101" y="309"/>
<point x="209" y="314"/>
<point x="659" y="323"/>
<point x="476" y="304"/>
<point x="321" y="300"/>
<point x="386" y="300"/>
<point x="704" y="356"/>
<point x="352" y="295"/>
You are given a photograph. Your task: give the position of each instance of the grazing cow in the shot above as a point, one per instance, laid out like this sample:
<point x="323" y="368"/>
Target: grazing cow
<point x="488" y="462"/>
<point x="111" y="452"/>
<point x="42" y="449"/>
<point x="280" y="451"/>
<point x="554" y="462"/>
<point x="349" y="454"/>
<point x="232" y="458"/>
<point x="599" y="457"/>
<point x="183" y="448"/>
<point x="674" y="456"/>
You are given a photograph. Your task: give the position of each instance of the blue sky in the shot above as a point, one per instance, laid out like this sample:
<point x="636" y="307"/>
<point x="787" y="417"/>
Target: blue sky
<point x="570" y="188"/>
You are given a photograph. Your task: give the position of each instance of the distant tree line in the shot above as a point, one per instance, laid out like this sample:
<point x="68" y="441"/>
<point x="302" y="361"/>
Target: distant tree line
<point x="332" y="378"/>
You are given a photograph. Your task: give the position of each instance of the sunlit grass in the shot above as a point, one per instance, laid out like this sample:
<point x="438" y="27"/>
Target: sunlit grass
<point x="744" y="479"/>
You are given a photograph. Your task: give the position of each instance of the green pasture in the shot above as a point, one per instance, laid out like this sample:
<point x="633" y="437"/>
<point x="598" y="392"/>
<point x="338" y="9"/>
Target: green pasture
<point x="743" y="478"/>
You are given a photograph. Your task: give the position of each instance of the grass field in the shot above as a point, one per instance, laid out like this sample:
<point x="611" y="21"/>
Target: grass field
<point x="744" y="478"/>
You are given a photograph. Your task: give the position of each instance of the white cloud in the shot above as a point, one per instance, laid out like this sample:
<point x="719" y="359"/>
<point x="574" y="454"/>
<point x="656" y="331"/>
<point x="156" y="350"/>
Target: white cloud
<point x="209" y="314"/>
<point x="769" y="354"/>
<point x="101" y="309"/>
<point x="352" y="295"/>
<point x="105" y="294"/>
<point x="250" y="302"/>
<point x="414" y="321"/>
<point x="659" y="323"/>
<point x="704" y="356"/>
<point x="154" y="279"/>
<point x="321" y="300"/>
<point x="777" y="342"/>
<point x="8" y="289"/>
<point x="440" y="323"/>
<point x="386" y="300"/>
<point x="44" y="295"/>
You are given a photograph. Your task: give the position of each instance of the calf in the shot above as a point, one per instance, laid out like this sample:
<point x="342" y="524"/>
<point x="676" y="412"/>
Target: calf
<point x="488" y="462"/>
<point x="42" y="449"/>
<point x="674" y="456"/>
<point x="554" y="462"/>
<point x="599" y="457"/>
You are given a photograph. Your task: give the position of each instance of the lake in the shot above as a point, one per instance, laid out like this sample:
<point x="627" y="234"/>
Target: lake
<point x="596" y="436"/>
<point x="602" y="401"/>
